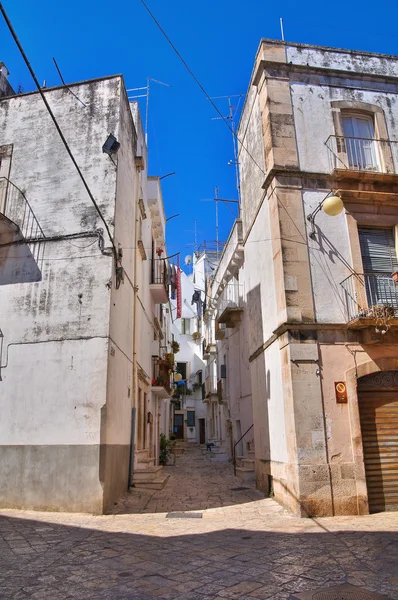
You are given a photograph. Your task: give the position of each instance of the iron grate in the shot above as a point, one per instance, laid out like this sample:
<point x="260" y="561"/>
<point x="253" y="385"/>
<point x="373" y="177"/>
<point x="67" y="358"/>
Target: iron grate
<point x="182" y="515"/>
<point x="239" y="489"/>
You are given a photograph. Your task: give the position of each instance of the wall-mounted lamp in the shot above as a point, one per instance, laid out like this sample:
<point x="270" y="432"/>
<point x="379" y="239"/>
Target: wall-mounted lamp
<point x="111" y="145"/>
<point x="332" y="205"/>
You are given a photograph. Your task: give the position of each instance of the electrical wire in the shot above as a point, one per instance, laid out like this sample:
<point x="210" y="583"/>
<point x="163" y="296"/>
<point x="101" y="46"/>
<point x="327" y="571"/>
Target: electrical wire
<point x="200" y="85"/>
<point x="58" y="128"/>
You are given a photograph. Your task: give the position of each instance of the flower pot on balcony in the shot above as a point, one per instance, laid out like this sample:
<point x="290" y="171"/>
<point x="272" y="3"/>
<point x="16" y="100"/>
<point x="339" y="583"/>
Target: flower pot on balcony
<point x="394" y="276"/>
<point x="196" y="336"/>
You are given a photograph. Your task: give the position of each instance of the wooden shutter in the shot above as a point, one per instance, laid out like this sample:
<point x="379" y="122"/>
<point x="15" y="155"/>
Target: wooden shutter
<point x="379" y="425"/>
<point x="378" y="250"/>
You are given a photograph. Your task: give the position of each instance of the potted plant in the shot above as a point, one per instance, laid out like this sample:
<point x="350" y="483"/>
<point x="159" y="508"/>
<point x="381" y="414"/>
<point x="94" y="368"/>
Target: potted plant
<point x="394" y="276"/>
<point x="169" y="359"/>
<point x="196" y="336"/>
<point x="175" y="346"/>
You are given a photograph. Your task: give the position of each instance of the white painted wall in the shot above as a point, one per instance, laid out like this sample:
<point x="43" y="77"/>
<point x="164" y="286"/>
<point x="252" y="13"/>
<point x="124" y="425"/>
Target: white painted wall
<point x="55" y="352"/>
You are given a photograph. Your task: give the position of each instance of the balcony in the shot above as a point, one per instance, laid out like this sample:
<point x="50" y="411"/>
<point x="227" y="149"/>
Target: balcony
<point x="17" y="219"/>
<point x="231" y="259"/>
<point x="211" y="386"/>
<point x="158" y="285"/>
<point x="161" y="386"/>
<point x="230" y="305"/>
<point x="351" y="156"/>
<point x="371" y="300"/>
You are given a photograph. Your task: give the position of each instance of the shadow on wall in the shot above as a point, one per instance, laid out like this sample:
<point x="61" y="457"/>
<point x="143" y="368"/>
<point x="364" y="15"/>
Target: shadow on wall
<point x="331" y="255"/>
<point x="261" y="390"/>
<point x="19" y="265"/>
<point x="96" y="558"/>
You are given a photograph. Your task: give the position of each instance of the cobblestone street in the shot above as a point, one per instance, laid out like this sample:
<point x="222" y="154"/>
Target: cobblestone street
<point x="244" y="546"/>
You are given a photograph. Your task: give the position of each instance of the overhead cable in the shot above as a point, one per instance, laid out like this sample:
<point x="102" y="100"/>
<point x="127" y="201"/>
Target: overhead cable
<point x="58" y="128"/>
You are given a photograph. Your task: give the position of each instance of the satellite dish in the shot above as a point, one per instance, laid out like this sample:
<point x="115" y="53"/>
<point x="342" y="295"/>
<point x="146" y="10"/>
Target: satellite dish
<point x="188" y="260"/>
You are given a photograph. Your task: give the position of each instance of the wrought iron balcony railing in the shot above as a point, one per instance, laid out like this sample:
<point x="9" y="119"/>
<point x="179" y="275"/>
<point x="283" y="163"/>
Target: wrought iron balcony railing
<point x="159" y="271"/>
<point x="370" y="296"/>
<point x="361" y="154"/>
<point x="15" y="206"/>
<point x="160" y="373"/>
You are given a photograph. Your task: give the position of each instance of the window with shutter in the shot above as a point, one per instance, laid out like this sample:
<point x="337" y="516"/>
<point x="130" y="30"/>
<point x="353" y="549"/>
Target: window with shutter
<point x="379" y="259"/>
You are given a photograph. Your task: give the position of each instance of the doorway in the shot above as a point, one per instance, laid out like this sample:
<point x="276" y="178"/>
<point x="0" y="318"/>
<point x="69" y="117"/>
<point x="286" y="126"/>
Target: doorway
<point x="179" y="426"/>
<point x="378" y="409"/>
<point x="202" y="431"/>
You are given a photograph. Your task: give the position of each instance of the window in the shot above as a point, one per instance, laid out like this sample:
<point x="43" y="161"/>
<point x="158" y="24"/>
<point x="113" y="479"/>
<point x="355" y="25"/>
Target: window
<point x="190" y="418"/>
<point x="379" y="259"/>
<point x="185" y="326"/>
<point x="360" y="141"/>
<point x="182" y="368"/>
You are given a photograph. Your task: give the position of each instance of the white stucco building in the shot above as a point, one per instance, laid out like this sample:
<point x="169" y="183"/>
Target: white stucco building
<point x="189" y="413"/>
<point x="74" y="365"/>
<point x="227" y="349"/>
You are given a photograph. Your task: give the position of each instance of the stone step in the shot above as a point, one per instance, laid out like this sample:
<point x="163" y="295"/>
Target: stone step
<point x="245" y="474"/>
<point x="146" y="462"/>
<point x="218" y="456"/>
<point x="249" y="463"/>
<point x="151" y="484"/>
<point x="146" y="474"/>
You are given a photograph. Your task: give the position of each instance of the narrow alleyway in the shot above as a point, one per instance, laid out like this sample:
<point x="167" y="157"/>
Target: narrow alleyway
<point x="239" y="545"/>
<point x="195" y="483"/>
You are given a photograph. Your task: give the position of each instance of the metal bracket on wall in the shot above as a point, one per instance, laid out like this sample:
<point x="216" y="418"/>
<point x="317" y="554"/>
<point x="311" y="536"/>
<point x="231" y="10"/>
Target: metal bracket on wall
<point x="1" y="351"/>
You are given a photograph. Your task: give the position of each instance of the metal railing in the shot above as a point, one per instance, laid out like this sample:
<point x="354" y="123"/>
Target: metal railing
<point x="211" y="385"/>
<point x="159" y="271"/>
<point x="236" y="443"/>
<point x="231" y="297"/>
<point x="368" y="295"/>
<point x="160" y="373"/>
<point x="361" y="154"/>
<point x="15" y="206"/>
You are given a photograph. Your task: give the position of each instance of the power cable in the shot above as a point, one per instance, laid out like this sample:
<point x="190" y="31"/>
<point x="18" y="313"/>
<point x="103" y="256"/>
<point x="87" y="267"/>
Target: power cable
<point x="58" y="128"/>
<point x="200" y="85"/>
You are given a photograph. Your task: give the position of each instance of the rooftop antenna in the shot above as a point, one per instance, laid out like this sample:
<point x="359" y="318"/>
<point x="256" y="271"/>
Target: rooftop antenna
<point x="146" y="95"/>
<point x="216" y="198"/>
<point x="231" y="117"/>
<point x="282" y="32"/>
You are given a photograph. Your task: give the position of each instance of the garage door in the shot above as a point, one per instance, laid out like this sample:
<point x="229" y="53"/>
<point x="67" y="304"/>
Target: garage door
<point x="378" y="411"/>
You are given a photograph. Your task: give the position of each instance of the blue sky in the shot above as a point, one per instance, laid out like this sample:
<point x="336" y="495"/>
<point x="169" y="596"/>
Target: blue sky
<point x="218" y="39"/>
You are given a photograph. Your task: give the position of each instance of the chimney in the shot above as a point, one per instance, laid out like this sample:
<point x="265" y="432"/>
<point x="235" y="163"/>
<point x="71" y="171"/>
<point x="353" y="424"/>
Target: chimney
<point x="3" y="70"/>
<point x="5" y="87"/>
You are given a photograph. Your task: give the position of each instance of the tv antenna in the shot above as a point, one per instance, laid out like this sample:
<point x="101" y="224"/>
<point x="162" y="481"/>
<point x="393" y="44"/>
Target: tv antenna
<point x="147" y="87"/>
<point x="233" y="110"/>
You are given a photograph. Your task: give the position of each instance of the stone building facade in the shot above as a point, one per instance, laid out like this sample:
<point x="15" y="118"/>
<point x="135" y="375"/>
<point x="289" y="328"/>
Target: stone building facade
<point x="321" y="299"/>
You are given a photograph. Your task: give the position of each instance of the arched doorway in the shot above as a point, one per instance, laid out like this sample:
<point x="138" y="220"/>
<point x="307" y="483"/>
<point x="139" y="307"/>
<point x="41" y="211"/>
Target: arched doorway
<point x="378" y="411"/>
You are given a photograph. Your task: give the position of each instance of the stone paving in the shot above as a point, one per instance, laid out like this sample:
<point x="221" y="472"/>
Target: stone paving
<point x="244" y="547"/>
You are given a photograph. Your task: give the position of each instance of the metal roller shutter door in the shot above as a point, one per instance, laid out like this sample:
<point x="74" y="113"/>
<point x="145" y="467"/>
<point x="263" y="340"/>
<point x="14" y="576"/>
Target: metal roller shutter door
<point x="379" y="424"/>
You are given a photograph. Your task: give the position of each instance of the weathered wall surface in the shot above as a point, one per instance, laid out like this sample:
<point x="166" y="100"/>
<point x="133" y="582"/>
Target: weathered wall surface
<point x="310" y="445"/>
<point x="251" y="147"/>
<point x="314" y="118"/>
<point x="116" y="428"/>
<point x="5" y="87"/>
<point x="345" y="60"/>
<point x="330" y="259"/>
<point x="56" y="328"/>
